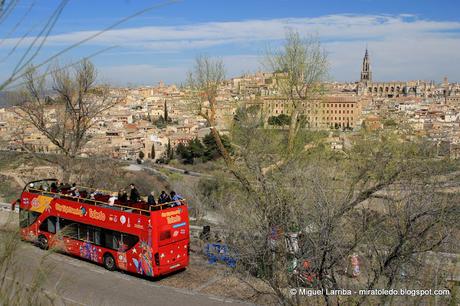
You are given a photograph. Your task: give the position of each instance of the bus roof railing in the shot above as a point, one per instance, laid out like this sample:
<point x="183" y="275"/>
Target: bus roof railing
<point x="42" y="180"/>
<point x="182" y="201"/>
<point x="79" y="186"/>
<point x="107" y="205"/>
<point x="88" y="201"/>
<point x="96" y="202"/>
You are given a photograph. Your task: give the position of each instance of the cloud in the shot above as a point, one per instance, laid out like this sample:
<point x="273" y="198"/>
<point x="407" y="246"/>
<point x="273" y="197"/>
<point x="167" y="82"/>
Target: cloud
<point x="142" y="74"/>
<point x="146" y="74"/>
<point x="217" y="33"/>
<point x="402" y="46"/>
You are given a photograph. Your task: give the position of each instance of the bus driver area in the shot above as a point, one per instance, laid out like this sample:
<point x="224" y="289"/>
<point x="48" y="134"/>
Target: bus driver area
<point x="150" y="242"/>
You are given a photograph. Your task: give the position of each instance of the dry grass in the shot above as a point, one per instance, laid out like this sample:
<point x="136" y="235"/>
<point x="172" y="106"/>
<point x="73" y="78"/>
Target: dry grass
<point x="9" y="190"/>
<point x="19" y="285"/>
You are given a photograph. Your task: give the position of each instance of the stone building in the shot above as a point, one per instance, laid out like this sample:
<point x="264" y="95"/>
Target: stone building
<point x="391" y="89"/>
<point x="330" y="111"/>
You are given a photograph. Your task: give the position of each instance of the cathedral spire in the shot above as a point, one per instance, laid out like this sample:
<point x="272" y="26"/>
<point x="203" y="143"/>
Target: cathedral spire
<point x="366" y="73"/>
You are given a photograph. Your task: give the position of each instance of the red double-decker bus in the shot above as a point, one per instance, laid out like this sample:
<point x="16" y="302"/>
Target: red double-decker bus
<point x="128" y="236"/>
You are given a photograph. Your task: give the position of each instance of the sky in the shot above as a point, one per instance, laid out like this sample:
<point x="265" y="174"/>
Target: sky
<point x="407" y="39"/>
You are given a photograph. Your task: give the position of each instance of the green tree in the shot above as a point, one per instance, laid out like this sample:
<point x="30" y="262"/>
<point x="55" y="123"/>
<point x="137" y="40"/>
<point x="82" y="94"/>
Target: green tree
<point x="280" y="120"/>
<point x="304" y="66"/>
<point x="169" y="151"/>
<point x="166" y="118"/>
<point x="196" y="148"/>
<point x="141" y="155"/>
<point x="193" y="150"/>
<point x="182" y="151"/>
<point x="390" y="122"/>
<point x="211" y="148"/>
<point x="160" y="122"/>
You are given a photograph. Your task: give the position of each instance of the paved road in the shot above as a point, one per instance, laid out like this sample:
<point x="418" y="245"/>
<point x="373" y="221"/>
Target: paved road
<point x="83" y="283"/>
<point x="133" y="166"/>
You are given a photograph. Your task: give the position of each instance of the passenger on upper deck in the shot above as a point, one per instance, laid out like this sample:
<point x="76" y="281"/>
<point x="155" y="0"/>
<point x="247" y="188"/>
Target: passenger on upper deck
<point x="176" y="198"/>
<point x="164" y="198"/>
<point x="151" y="199"/>
<point x="112" y="199"/>
<point x="76" y="192"/>
<point x="134" y="195"/>
<point x="54" y="187"/>
<point x="122" y="195"/>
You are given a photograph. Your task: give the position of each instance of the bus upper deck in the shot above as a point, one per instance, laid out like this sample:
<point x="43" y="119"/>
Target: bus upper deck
<point x="96" y="197"/>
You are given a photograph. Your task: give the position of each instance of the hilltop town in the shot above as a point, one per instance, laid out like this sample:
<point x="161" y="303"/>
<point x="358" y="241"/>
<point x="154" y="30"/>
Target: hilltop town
<point x="150" y="119"/>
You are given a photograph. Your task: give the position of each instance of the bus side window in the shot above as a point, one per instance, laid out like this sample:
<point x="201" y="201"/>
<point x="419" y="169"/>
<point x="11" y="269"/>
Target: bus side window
<point x="129" y="241"/>
<point x="23" y="218"/>
<point x="94" y="235"/>
<point x="27" y="217"/>
<point x="83" y="232"/>
<point x="33" y="216"/>
<point x="112" y="239"/>
<point x="49" y="225"/>
<point x="68" y="228"/>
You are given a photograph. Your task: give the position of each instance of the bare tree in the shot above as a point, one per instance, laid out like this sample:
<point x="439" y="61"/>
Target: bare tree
<point x="298" y="224"/>
<point x="300" y="68"/>
<point x="65" y="115"/>
<point x="204" y="81"/>
<point x="381" y="199"/>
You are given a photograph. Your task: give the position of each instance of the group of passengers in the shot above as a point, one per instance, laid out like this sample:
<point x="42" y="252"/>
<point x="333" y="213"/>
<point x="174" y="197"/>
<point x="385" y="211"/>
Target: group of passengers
<point x="73" y="190"/>
<point x="172" y="198"/>
<point x="56" y="187"/>
<point x="122" y="198"/>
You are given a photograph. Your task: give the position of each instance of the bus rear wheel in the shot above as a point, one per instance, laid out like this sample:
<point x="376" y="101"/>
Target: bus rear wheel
<point x="42" y="242"/>
<point x="109" y="262"/>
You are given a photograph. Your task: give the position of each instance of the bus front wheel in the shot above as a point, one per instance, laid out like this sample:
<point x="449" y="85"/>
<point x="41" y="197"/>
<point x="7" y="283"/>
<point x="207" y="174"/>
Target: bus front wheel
<point x="109" y="262"/>
<point x="42" y="242"/>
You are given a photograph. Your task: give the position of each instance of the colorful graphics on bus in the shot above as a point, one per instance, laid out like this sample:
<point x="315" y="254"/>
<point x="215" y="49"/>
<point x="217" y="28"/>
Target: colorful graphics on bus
<point x="40" y="203"/>
<point x="89" y="251"/>
<point x="144" y="262"/>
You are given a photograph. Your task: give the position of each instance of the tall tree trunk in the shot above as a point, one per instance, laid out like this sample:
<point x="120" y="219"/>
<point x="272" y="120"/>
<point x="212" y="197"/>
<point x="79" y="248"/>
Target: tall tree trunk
<point x="65" y="167"/>
<point x="230" y="163"/>
<point x="292" y="130"/>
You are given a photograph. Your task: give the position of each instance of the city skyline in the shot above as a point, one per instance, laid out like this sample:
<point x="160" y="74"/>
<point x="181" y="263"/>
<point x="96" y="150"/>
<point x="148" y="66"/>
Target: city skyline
<point x="420" y="43"/>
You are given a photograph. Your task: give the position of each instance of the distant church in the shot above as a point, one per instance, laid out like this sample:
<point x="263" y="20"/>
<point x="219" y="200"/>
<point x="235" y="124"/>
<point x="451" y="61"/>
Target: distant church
<point x="366" y="73"/>
<point x="390" y="89"/>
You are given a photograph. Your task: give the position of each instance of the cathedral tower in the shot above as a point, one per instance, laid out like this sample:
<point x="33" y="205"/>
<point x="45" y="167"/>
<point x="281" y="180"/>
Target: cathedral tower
<point x="366" y="73"/>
